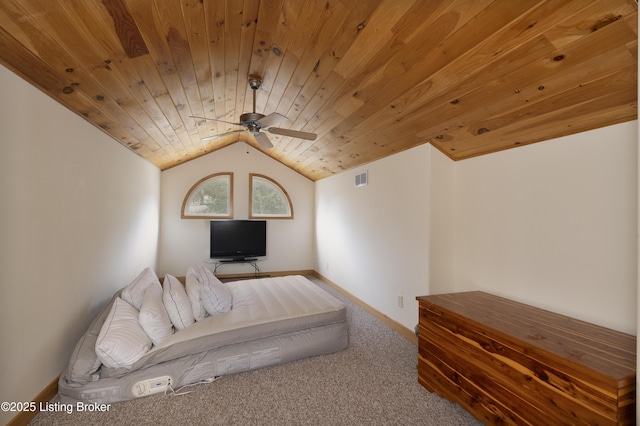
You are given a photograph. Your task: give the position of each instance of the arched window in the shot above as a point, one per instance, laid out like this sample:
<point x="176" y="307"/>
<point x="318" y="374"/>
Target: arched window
<point x="210" y="198"/>
<point x="268" y="199"/>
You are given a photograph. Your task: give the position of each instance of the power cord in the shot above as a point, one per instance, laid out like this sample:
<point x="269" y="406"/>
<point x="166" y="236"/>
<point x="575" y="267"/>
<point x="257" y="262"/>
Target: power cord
<point x="169" y="391"/>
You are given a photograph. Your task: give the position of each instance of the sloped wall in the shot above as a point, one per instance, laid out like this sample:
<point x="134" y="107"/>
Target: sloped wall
<point x="79" y="221"/>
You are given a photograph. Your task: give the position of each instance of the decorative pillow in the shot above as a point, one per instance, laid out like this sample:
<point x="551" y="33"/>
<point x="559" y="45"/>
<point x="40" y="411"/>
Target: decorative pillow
<point x="122" y="341"/>
<point x="177" y="303"/>
<point x="193" y="285"/>
<point x="215" y="296"/>
<point x="84" y="362"/>
<point x="134" y="292"/>
<point x="153" y="316"/>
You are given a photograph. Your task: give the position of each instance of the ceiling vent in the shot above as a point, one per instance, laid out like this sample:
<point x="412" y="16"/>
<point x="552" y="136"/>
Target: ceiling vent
<point x="362" y="179"/>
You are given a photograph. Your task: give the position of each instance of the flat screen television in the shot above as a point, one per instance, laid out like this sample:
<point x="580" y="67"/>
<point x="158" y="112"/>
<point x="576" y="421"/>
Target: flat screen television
<point x="238" y="239"/>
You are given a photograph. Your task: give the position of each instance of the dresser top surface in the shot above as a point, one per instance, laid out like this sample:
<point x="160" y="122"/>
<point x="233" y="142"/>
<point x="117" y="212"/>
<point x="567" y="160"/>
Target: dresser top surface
<point x="608" y="351"/>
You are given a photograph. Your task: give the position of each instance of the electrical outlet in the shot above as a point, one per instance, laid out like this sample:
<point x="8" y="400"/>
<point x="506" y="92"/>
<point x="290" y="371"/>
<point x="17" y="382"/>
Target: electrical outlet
<point x="400" y="301"/>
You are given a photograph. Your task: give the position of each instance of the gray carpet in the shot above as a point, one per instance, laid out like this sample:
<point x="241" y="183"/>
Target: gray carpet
<point x="372" y="382"/>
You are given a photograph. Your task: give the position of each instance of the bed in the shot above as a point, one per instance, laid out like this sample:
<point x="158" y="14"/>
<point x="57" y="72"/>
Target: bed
<point x="271" y="321"/>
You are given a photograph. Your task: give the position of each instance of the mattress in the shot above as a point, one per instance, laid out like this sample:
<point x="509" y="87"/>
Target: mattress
<point x="273" y="321"/>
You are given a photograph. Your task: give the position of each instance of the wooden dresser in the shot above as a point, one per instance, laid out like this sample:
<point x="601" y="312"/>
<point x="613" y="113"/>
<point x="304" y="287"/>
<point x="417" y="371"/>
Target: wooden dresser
<point x="509" y="363"/>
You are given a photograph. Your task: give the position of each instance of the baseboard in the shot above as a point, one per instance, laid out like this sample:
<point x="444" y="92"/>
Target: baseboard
<point x="265" y="274"/>
<point x="229" y="277"/>
<point x="24" y="417"/>
<point x="409" y="334"/>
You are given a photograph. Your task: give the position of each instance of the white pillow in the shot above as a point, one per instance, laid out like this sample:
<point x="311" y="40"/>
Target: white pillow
<point x="134" y="292"/>
<point x="193" y="285"/>
<point x="177" y="303"/>
<point x="121" y="341"/>
<point x="153" y="316"/>
<point x="216" y="297"/>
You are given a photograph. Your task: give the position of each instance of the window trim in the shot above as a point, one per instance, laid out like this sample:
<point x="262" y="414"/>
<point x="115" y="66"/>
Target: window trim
<point x="277" y="185"/>
<point x="183" y="214"/>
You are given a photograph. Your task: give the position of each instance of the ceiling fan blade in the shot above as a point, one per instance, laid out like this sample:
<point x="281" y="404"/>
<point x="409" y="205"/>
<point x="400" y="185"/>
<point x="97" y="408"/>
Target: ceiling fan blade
<point x="208" y="138"/>
<point x="272" y="119"/>
<point x="293" y="133"/>
<point x="215" y="119"/>
<point x="263" y="140"/>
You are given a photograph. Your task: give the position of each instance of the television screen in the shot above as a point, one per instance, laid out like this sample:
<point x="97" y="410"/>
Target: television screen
<point x="238" y="239"/>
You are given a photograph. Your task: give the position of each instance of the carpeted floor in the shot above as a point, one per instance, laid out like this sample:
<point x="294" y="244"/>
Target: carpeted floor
<point x="372" y="382"/>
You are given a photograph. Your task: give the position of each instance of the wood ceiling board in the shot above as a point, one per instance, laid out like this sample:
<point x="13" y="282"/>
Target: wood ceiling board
<point x="162" y="80"/>
<point x="568" y="119"/>
<point x="371" y="78"/>
<point x="401" y="80"/>
<point x="214" y="24"/>
<point x="134" y="98"/>
<point x="522" y="87"/>
<point x="353" y="25"/>
<point x="244" y="98"/>
<point x="198" y="44"/>
<point x="232" y="42"/>
<point x="126" y="28"/>
<point x="503" y="100"/>
<point x="315" y="90"/>
<point x="269" y="20"/>
<point x="599" y="14"/>
<point x="307" y="66"/>
<point x="182" y="75"/>
<point x="90" y="104"/>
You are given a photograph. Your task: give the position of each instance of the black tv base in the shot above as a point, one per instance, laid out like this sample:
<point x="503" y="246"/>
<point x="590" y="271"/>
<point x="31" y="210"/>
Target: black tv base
<point x="250" y="260"/>
<point x="238" y="260"/>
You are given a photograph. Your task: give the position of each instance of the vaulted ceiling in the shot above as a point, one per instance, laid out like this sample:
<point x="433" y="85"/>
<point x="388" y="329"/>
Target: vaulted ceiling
<point x="369" y="77"/>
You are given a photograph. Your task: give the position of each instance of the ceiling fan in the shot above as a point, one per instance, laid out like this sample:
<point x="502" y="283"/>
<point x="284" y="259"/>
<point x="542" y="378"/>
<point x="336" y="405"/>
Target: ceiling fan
<point x="254" y="122"/>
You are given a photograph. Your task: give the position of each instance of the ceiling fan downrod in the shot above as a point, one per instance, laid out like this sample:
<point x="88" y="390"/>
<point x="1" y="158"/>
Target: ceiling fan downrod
<point x="249" y="119"/>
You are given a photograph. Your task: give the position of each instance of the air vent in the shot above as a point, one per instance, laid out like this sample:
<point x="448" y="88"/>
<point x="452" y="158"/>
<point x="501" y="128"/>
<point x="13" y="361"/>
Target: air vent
<point x="362" y="179"/>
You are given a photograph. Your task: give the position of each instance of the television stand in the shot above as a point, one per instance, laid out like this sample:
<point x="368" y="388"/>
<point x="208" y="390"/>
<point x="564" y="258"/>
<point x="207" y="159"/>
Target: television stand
<point x="250" y="260"/>
<point x="238" y="260"/>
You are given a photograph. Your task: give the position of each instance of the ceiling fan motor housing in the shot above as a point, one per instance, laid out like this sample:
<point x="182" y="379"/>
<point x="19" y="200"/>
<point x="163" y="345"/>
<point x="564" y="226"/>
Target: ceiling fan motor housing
<point x="249" y="120"/>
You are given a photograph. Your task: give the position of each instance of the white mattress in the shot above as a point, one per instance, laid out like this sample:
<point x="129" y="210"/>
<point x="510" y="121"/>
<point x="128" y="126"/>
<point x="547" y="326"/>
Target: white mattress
<point x="273" y="321"/>
<point x="262" y="307"/>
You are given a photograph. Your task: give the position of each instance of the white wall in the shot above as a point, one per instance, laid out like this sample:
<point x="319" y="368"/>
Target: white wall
<point x="373" y="241"/>
<point x="442" y="224"/>
<point x="79" y="221"/>
<point x="554" y="225"/>
<point x="185" y="242"/>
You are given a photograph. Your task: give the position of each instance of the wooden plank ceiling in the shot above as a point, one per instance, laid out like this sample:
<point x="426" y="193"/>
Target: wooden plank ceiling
<point x="369" y="77"/>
